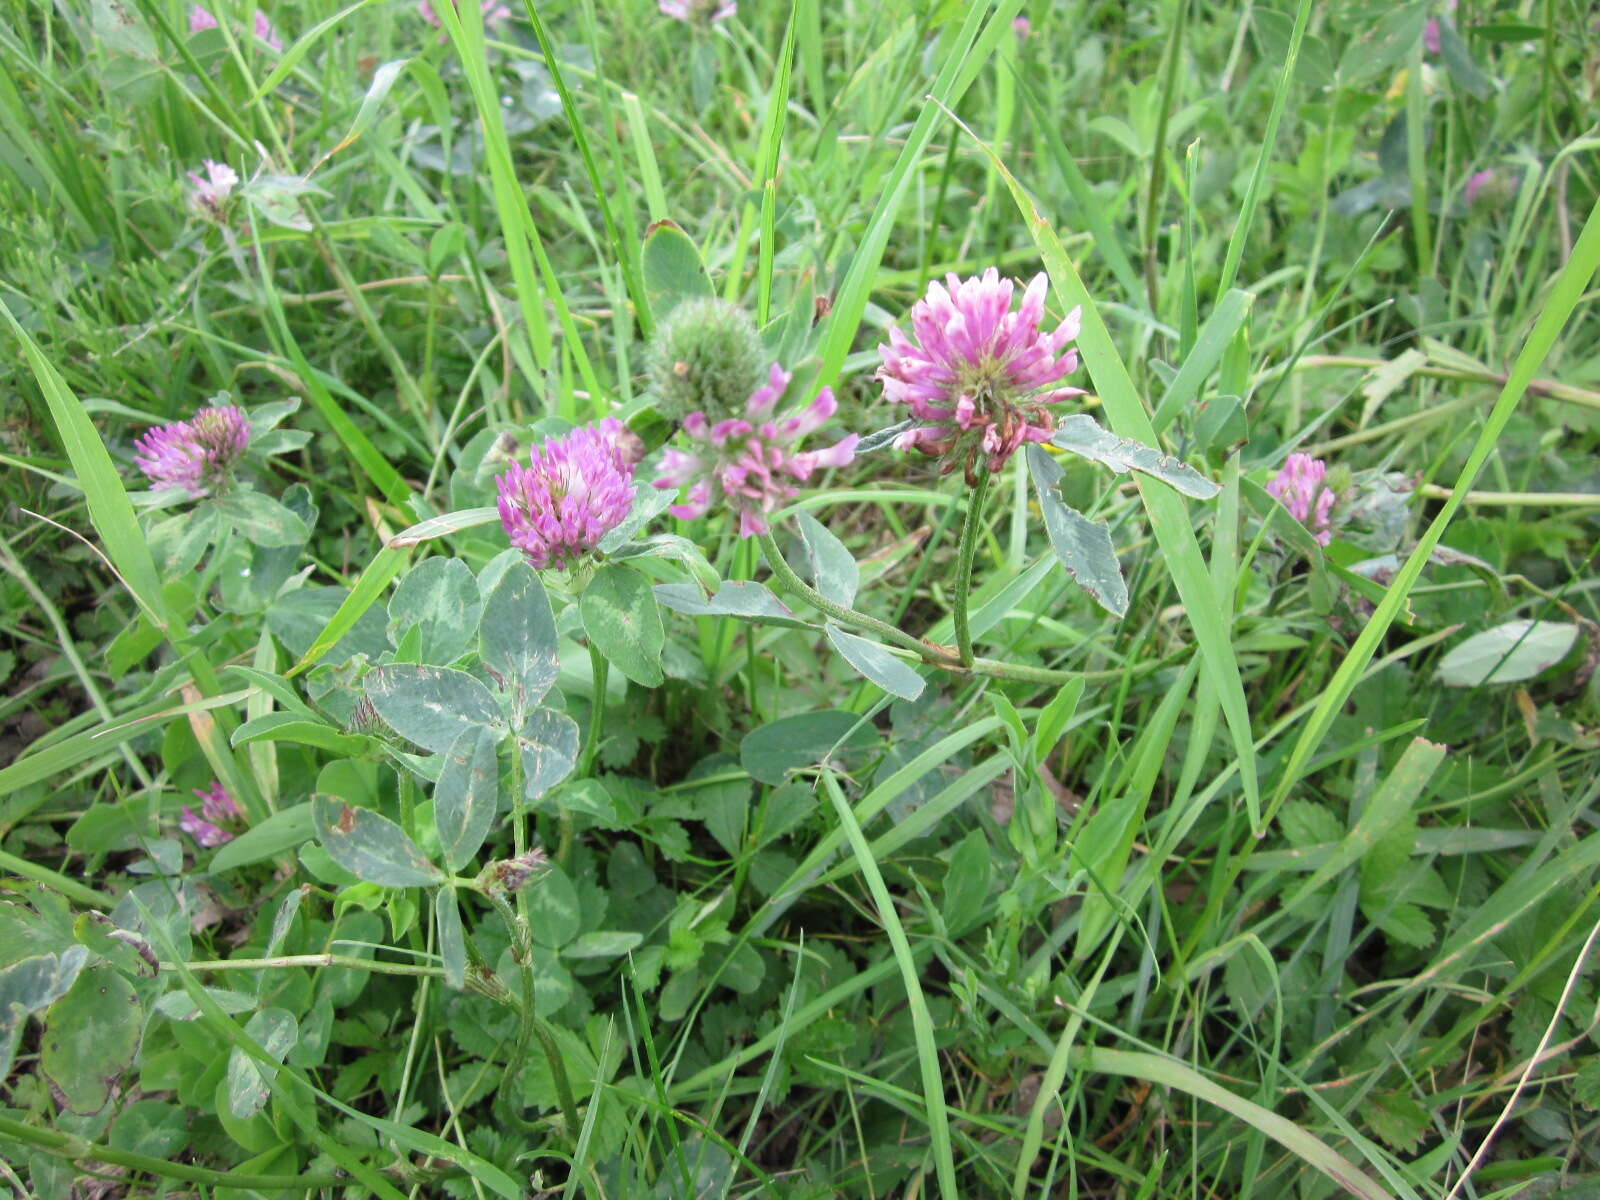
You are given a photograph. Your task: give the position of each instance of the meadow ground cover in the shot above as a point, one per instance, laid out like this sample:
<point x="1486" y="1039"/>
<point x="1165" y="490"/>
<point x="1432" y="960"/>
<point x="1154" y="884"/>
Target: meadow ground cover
<point x="802" y="600"/>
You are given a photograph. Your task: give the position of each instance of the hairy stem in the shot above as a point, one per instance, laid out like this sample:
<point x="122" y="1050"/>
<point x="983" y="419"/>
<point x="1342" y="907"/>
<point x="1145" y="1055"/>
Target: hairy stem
<point x="964" y="555"/>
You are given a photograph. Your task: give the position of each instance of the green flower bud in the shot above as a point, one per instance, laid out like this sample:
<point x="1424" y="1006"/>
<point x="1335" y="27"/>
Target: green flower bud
<point x="706" y="357"/>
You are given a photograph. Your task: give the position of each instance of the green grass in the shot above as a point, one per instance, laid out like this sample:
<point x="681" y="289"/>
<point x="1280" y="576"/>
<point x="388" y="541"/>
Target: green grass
<point x="1248" y="893"/>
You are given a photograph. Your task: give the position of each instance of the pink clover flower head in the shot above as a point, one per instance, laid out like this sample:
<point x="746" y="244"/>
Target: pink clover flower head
<point x="218" y="810"/>
<point x="752" y="463"/>
<point x="575" y="489"/>
<point x="709" y="11"/>
<point x="200" y="19"/>
<point x="1022" y="27"/>
<point x="212" y="189"/>
<point x="979" y="376"/>
<point x="1431" y="40"/>
<point x="1302" y="487"/>
<point x="1490" y="187"/>
<point x="494" y="11"/>
<point x="198" y="454"/>
<point x="266" y="32"/>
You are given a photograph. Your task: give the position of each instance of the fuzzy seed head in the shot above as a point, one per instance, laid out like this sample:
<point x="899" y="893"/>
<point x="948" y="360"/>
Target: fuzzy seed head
<point x="706" y="357"/>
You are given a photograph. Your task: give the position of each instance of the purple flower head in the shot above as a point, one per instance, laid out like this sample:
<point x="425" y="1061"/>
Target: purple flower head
<point x="494" y="11"/>
<point x="197" y="454"/>
<point x="218" y="810"/>
<point x="1431" y="39"/>
<point x="749" y="462"/>
<point x="709" y="11"/>
<point x="1022" y="27"/>
<point x="203" y="18"/>
<point x="575" y="489"/>
<point x="1302" y="488"/>
<point x="213" y="189"/>
<point x="982" y="375"/>
<point x="266" y="32"/>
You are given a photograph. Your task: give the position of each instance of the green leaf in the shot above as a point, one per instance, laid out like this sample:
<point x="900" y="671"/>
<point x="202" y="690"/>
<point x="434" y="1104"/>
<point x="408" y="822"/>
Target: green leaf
<point x="261" y="520"/>
<point x="452" y="939"/>
<point x="749" y="601"/>
<point x="1083" y="546"/>
<point x="648" y="504"/>
<point x="153" y="1128"/>
<point x="622" y="620"/>
<point x="282" y="831"/>
<point x="110" y="511"/>
<point x="518" y="636"/>
<point x="29" y="985"/>
<point x="178" y="542"/>
<point x="370" y="846"/>
<point x="249" y="1080"/>
<point x="830" y="565"/>
<point x="441" y="596"/>
<point x="1082" y="435"/>
<point x="673" y="271"/>
<point x="603" y="943"/>
<point x="432" y="706"/>
<point x="442" y="526"/>
<point x="1508" y="653"/>
<point x="554" y="914"/>
<point x="292" y="727"/>
<point x="376" y="576"/>
<point x="967" y="882"/>
<point x="877" y="664"/>
<point x="802" y="740"/>
<point x="1398" y="1119"/>
<point x="91" y="1035"/>
<point x="548" y="741"/>
<point x="371" y="104"/>
<point x="1307" y="823"/>
<point x="1214" y="337"/>
<point x="467" y="795"/>
<point x="1381" y="47"/>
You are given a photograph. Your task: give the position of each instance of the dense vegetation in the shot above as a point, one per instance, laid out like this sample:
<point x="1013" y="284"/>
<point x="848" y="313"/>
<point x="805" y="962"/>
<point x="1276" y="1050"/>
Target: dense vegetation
<point x="1132" y="733"/>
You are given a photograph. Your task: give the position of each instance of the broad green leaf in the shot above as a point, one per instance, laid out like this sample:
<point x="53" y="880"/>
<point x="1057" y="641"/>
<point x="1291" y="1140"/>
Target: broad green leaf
<point x="802" y="740"/>
<point x="1508" y="653"/>
<point x="671" y="545"/>
<point x="966" y="882"/>
<point x="518" y="636"/>
<point x="467" y="795"/>
<point x="439" y="595"/>
<point x="153" y="1128"/>
<point x="833" y="570"/>
<point x="452" y="939"/>
<point x="249" y="1081"/>
<point x="877" y="664"/>
<point x="1383" y="45"/>
<point x="178" y="541"/>
<point x="90" y="1037"/>
<point x="554" y="914"/>
<point x="548" y="741"/>
<point x="749" y="601"/>
<point x="261" y="520"/>
<point x="1083" y="436"/>
<point x="282" y="831"/>
<point x="29" y="985"/>
<point x="370" y="846"/>
<point x="622" y="620"/>
<point x="673" y="271"/>
<point x="1083" y="546"/>
<point x="431" y="706"/>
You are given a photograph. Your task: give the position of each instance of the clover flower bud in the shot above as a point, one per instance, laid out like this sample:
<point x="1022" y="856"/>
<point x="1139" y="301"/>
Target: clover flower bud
<point x="705" y="357"/>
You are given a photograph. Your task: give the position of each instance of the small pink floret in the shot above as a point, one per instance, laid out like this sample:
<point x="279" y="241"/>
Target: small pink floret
<point x="752" y="464"/>
<point x="212" y="189"/>
<point x="1302" y="488"/>
<point x="218" y="810"/>
<point x="201" y="19"/>
<point x="575" y="489"/>
<point x="710" y="11"/>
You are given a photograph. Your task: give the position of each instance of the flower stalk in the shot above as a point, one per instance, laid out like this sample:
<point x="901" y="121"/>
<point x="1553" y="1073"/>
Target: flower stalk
<point x="968" y="548"/>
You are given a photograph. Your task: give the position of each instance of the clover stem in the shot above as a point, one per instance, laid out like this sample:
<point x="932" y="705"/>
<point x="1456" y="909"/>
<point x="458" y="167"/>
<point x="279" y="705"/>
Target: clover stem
<point x="967" y="549"/>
